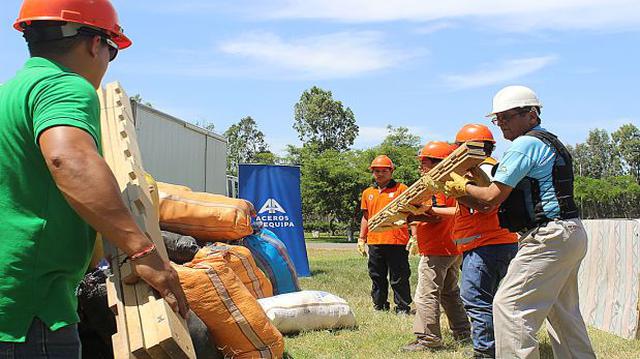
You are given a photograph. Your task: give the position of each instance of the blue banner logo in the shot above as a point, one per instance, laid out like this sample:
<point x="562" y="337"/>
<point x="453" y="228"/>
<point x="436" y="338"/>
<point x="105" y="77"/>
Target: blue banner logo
<point x="275" y="190"/>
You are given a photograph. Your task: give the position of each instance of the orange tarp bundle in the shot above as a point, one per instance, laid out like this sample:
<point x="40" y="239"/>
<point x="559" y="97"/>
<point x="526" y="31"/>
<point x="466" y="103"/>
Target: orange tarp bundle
<point x="172" y="188"/>
<point x="206" y="217"/>
<point x="236" y="321"/>
<point x="243" y="265"/>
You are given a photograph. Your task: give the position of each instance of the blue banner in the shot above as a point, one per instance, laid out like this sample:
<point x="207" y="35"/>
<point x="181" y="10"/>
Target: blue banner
<point x="275" y="192"/>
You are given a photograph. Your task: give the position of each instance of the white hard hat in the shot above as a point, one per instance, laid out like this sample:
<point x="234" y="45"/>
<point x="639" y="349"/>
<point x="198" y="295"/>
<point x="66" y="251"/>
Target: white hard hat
<point x="514" y="97"/>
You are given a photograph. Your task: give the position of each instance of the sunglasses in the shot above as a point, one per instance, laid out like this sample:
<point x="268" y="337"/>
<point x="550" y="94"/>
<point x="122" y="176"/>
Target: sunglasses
<point x="506" y="118"/>
<point x="113" y="47"/>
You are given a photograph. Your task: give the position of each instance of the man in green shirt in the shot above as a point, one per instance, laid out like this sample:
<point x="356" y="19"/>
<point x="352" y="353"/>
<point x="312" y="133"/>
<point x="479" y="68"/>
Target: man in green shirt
<point x="55" y="188"/>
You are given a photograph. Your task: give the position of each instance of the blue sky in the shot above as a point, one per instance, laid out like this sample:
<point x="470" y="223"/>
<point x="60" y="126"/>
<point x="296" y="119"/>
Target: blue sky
<point x="430" y="66"/>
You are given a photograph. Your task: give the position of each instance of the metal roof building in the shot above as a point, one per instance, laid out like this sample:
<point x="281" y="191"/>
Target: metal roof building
<point x="175" y="151"/>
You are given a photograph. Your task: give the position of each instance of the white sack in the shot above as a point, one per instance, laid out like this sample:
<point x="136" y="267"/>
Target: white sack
<point x="308" y="310"/>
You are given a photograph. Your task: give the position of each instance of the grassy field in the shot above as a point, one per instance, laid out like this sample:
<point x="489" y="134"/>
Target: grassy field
<point x="381" y="335"/>
<point x="326" y="238"/>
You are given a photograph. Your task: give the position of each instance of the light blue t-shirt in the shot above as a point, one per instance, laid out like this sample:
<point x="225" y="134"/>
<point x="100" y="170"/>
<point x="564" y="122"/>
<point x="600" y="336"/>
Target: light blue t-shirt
<point x="531" y="157"/>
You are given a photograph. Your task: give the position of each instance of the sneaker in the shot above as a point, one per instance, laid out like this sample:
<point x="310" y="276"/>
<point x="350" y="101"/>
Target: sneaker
<point x="405" y="311"/>
<point x="477" y="354"/>
<point x="421" y="345"/>
<point x="384" y="307"/>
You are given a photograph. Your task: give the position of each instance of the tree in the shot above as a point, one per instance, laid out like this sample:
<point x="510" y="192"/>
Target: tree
<point x="244" y="142"/>
<point x="598" y="157"/>
<point x="400" y="137"/>
<point x="627" y="141"/>
<point x="266" y="157"/>
<point x="331" y="184"/>
<point x="137" y="98"/>
<point x="324" y="122"/>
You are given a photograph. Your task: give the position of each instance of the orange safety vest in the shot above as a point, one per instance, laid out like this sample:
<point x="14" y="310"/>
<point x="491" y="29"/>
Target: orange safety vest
<point x="436" y="238"/>
<point x="472" y="229"/>
<point x="374" y="200"/>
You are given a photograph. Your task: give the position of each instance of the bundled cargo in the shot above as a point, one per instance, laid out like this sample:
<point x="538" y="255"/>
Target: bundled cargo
<point x="308" y="310"/>
<point x="243" y="265"/>
<point x="235" y="320"/>
<point x="206" y="217"/>
<point x="272" y="257"/>
<point x="172" y="188"/>
<point x="180" y="249"/>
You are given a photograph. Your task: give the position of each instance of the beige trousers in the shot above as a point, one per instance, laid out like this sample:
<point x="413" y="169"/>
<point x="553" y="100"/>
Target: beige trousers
<point x="542" y="283"/>
<point x="438" y="285"/>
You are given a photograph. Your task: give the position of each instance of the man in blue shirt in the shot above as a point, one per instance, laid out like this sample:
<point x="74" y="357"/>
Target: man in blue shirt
<point x="533" y="185"/>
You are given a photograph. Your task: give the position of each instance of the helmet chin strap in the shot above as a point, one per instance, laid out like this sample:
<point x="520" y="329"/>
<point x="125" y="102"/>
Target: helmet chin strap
<point x="55" y="31"/>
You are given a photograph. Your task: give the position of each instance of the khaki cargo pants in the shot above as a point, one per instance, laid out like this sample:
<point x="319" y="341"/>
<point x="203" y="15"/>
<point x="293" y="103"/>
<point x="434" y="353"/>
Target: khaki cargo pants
<point x="438" y="285"/>
<point x="542" y="283"/>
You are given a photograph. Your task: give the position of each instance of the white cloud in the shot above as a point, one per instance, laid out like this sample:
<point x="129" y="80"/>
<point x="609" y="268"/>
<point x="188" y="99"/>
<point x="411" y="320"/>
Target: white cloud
<point x="434" y="27"/>
<point x="501" y="73"/>
<point x="517" y="15"/>
<point x="342" y="54"/>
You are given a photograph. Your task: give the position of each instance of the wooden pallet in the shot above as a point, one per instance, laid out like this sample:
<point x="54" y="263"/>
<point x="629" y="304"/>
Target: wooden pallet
<point x="460" y="161"/>
<point x="146" y="326"/>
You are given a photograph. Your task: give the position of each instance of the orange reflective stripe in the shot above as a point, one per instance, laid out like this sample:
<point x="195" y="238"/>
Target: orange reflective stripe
<point x="474" y="229"/>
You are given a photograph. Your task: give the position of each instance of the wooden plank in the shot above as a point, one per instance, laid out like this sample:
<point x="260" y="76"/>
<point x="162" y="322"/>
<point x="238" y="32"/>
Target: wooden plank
<point x="149" y="319"/>
<point x="460" y="161"/>
<point x="145" y="300"/>
<point x="119" y="340"/>
<point x="175" y="338"/>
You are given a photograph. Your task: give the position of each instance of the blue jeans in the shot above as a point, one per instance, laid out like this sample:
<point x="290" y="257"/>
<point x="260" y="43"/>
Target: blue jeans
<point x="482" y="270"/>
<point x="43" y="343"/>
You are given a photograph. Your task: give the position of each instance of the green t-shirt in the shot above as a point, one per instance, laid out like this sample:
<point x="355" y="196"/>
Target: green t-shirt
<point x="45" y="247"/>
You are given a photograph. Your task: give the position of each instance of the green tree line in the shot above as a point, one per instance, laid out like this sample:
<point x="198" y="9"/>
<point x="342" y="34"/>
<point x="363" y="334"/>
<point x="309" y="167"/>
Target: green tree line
<point x="607" y="169"/>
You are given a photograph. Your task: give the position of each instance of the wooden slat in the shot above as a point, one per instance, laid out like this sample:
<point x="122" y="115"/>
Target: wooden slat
<point x="115" y="301"/>
<point x="152" y="330"/>
<point x="460" y="161"/>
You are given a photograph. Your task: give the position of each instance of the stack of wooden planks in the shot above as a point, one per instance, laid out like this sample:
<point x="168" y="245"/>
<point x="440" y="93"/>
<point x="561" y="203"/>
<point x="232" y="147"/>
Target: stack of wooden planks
<point x="460" y="161"/>
<point x="146" y="326"/>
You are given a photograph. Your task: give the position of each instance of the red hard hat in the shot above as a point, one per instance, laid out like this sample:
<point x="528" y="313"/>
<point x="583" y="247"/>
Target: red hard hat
<point x="474" y="132"/>
<point x="436" y="149"/>
<point x="381" y="161"/>
<point x="95" y="13"/>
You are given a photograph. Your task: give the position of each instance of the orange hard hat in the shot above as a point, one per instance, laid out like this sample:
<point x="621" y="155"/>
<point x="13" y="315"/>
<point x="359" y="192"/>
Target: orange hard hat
<point x="474" y="132"/>
<point x="99" y="14"/>
<point x="382" y="161"/>
<point x="436" y="149"/>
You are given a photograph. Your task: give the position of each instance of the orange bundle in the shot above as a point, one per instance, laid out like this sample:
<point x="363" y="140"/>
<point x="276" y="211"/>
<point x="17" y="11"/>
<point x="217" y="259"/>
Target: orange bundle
<point x="172" y="188"/>
<point x="206" y="217"/>
<point x="243" y="265"/>
<point x="237" y="323"/>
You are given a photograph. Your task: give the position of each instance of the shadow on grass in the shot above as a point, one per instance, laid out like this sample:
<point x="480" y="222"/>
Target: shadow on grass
<point x="330" y="331"/>
<point x="286" y="355"/>
<point x="315" y="272"/>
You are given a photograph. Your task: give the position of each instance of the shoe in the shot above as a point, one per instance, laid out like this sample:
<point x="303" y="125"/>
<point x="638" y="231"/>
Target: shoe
<point x="384" y="307"/>
<point x="421" y="345"/>
<point x="405" y="311"/>
<point x="477" y="354"/>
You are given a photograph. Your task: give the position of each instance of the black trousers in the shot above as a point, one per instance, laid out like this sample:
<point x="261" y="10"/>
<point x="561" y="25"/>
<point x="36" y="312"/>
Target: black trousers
<point x="391" y="260"/>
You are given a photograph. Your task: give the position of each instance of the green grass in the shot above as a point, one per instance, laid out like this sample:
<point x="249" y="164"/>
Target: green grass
<point x="327" y="238"/>
<point x="381" y="335"/>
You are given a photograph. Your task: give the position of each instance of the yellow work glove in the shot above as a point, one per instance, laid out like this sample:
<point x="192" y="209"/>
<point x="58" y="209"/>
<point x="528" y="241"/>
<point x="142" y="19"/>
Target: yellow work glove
<point x="361" y="247"/>
<point x="435" y="186"/>
<point x="412" y="246"/>
<point x="479" y="177"/>
<point x="457" y="186"/>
